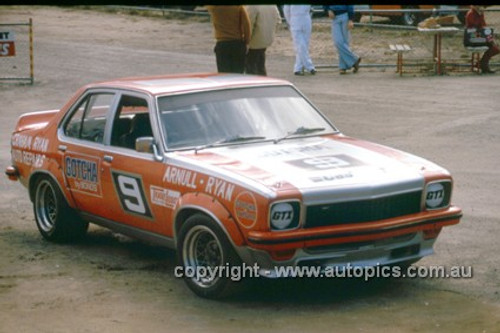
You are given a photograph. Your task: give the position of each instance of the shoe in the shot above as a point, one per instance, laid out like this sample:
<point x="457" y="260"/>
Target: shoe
<point x="299" y="73"/>
<point x="313" y="72"/>
<point x="356" y="65"/>
<point x="487" y="71"/>
<point x="343" y="71"/>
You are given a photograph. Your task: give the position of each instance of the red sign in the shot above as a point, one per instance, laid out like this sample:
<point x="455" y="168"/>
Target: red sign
<point x="7" y="44"/>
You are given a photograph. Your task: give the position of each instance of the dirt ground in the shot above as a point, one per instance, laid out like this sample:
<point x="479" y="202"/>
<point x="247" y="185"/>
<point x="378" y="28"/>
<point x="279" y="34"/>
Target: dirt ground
<point x="109" y="283"/>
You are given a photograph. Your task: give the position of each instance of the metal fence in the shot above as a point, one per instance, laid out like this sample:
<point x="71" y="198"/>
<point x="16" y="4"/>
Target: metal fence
<point x="16" y="52"/>
<point x="374" y="31"/>
<point x="373" y="34"/>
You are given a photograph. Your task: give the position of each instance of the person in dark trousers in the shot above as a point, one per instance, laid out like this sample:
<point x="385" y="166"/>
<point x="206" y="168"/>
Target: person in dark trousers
<point x="475" y="19"/>
<point x="232" y="34"/>
<point x="264" y="20"/>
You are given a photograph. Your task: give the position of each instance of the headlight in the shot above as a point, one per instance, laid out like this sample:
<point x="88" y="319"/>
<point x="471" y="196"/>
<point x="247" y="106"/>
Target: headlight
<point x="437" y="194"/>
<point x="285" y="215"/>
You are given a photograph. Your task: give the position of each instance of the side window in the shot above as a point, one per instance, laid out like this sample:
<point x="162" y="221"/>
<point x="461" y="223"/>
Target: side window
<point x="89" y="120"/>
<point x="131" y="122"/>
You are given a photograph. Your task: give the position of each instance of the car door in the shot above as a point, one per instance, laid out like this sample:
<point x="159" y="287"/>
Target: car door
<point x="132" y="179"/>
<point x="81" y="137"/>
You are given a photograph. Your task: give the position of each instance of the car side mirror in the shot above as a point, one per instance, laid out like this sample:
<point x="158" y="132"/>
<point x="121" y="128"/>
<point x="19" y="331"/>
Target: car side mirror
<point x="146" y="144"/>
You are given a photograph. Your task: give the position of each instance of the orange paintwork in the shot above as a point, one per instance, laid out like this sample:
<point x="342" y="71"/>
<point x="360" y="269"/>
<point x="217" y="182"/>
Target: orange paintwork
<point x="88" y="174"/>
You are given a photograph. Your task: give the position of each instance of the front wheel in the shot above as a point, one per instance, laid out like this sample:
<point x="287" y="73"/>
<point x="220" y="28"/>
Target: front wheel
<point x="55" y="220"/>
<point x="206" y="256"/>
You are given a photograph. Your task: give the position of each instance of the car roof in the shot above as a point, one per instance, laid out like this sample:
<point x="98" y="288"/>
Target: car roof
<point x="178" y="83"/>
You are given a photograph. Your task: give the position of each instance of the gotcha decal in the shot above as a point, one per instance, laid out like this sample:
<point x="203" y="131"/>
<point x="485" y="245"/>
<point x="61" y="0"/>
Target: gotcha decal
<point x="82" y="173"/>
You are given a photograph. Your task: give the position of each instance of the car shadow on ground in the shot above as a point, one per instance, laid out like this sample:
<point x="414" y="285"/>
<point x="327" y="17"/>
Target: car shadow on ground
<point x="113" y="252"/>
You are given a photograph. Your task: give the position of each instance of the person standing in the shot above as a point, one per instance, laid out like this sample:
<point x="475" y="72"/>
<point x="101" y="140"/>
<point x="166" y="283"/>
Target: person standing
<point x="475" y="19"/>
<point x="342" y="22"/>
<point x="232" y="34"/>
<point x="299" y="21"/>
<point x="264" y="20"/>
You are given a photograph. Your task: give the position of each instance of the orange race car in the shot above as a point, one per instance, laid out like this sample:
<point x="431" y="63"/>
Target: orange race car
<point x="229" y="170"/>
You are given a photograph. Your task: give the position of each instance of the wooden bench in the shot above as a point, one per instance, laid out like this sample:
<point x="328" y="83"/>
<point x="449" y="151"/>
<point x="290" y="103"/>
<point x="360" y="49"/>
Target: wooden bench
<point x="399" y="49"/>
<point x="476" y="57"/>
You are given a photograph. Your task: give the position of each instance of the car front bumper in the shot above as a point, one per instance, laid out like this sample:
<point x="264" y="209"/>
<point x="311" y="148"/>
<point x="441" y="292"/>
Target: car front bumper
<point x="387" y="242"/>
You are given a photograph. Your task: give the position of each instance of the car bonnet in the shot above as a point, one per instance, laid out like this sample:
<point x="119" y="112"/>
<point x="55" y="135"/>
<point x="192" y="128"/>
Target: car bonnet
<point x="323" y="169"/>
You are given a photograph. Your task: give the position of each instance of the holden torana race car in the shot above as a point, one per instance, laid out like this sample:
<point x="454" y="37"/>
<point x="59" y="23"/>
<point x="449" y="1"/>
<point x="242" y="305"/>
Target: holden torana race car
<point x="229" y="170"/>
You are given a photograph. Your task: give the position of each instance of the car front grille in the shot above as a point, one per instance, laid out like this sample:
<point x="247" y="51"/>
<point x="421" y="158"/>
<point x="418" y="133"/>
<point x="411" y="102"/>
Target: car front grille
<point x="363" y="210"/>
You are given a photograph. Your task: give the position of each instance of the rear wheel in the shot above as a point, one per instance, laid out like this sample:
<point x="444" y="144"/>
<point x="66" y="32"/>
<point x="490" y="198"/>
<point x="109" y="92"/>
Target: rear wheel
<point x="55" y="220"/>
<point x="207" y="257"/>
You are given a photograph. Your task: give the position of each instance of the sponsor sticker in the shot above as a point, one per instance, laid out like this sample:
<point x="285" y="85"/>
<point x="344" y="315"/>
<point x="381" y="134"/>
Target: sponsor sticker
<point x="164" y="197"/>
<point x="28" y="150"/>
<point x="82" y="173"/>
<point x="245" y="208"/>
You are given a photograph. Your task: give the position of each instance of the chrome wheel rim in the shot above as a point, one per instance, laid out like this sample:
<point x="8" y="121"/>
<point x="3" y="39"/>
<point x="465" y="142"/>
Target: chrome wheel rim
<point x="203" y="256"/>
<point x="46" y="206"/>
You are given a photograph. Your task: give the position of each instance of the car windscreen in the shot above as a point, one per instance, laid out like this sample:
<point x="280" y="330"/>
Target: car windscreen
<point x="211" y="118"/>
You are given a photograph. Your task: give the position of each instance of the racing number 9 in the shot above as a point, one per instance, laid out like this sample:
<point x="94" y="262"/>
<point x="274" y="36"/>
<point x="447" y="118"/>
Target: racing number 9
<point x="131" y="194"/>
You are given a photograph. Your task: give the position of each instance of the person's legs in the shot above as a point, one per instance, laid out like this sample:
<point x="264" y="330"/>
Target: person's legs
<point x="220" y="58"/>
<point x="260" y="65"/>
<point x="230" y="56"/>
<point x="297" y="40"/>
<point x="485" y="59"/>
<point x="238" y="56"/>
<point x="256" y="62"/>
<point x="307" y="62"/>
<point x="338" y="40"/>
<point x="341" y="38"/>
<point x="251" y="62"/>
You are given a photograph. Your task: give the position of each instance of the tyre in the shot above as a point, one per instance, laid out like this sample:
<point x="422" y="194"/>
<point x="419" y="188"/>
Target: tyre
<point x="56" y="221"/>
<point x="410" y="18"/>
<point x="204" y="248"/>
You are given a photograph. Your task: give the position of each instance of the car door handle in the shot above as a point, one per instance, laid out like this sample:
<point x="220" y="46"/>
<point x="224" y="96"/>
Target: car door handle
<point x="62" y="148"/>
<point x="108" y="158"/>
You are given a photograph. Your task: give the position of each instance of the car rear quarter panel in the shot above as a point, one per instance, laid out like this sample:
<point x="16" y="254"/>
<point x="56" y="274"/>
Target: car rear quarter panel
<point x="34" y="150"/>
